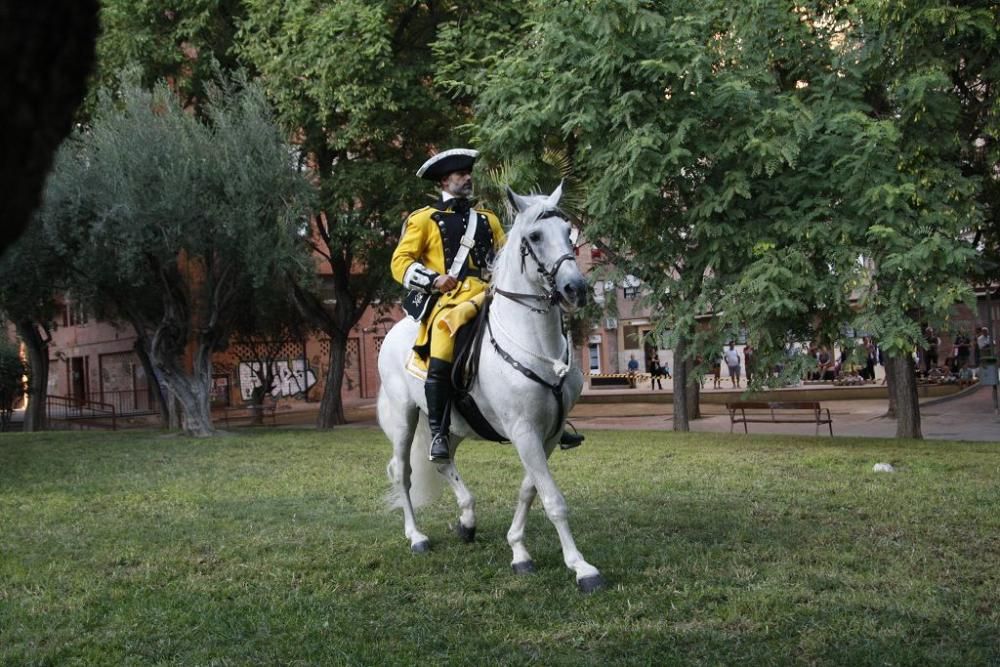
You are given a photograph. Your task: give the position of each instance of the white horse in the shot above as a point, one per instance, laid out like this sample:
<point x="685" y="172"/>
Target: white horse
<point x="535" y="278"/>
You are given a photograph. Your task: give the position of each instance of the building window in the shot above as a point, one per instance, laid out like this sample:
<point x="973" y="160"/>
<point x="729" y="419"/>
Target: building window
<point x="594" y="353"/>
<point x="630" y="287"/>
<point x="633" y="337"/>
<point x="74" y="314"/>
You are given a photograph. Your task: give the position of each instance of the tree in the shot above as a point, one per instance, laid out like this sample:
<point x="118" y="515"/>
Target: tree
<point x="47" y="49"/>
<point x="184" y="42"/>
<point x="671" y="140"/>
<point x="355" y="82"/>
<point x="176" y="220"/>
<point x="32" y="276"/>
<point x="742" y="166"/>
<point x="13" y="370"/>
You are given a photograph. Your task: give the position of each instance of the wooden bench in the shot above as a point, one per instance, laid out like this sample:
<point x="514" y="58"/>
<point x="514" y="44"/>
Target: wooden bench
<point x="797" y="412"/>
<point x="249" y="410"/>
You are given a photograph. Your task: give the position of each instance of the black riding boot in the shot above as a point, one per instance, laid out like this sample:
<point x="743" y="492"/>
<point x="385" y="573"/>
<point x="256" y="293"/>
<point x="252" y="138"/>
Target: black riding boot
<point x="570" y="440"/>
<point x="437" y="389"/>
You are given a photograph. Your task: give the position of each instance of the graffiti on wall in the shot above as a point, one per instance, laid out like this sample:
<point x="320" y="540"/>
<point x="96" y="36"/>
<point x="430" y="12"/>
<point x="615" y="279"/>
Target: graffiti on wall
<point x="291" y="378"/>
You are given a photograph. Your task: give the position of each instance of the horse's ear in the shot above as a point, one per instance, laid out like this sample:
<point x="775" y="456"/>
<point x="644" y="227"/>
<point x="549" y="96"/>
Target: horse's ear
<point x="556" y="195"/>
<point x="516" y="200"/>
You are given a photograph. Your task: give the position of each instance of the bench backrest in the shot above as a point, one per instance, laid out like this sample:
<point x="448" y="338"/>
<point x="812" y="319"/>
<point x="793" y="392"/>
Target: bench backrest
<point x="773" y="405"/>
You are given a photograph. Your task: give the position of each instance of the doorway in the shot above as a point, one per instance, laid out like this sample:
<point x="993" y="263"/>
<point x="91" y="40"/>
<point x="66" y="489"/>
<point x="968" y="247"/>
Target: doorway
<point x="78" y="379"/>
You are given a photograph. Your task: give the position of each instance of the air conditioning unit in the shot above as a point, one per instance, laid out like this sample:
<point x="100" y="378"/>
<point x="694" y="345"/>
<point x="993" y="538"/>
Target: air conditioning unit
<point x="610" y="323"/>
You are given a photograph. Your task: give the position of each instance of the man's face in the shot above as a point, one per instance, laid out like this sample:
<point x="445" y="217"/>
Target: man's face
<point x="458" y="184"/>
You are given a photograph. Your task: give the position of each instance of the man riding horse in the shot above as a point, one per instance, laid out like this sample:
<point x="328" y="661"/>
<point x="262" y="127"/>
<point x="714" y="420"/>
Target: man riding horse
<point x="443" y="258"/>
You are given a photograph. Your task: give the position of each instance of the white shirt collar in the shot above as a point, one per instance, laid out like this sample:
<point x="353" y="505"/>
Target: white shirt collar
<point x="445" y="196"/>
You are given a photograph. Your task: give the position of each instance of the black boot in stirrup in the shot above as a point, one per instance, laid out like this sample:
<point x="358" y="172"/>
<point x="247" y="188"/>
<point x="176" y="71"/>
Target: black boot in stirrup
<point x="437" y="389"/>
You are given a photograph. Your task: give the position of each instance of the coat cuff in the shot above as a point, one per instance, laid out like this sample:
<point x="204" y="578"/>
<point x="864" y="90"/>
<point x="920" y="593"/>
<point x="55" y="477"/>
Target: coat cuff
<point x="419" y="277"/>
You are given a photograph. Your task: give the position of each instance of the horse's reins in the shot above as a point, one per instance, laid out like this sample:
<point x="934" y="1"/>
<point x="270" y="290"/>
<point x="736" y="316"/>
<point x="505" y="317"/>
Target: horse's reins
<point x="552" y="297"/>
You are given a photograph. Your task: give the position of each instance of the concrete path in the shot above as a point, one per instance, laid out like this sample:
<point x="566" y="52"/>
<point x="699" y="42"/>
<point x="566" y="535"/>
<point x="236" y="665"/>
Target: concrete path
<point x="965" y="416"/>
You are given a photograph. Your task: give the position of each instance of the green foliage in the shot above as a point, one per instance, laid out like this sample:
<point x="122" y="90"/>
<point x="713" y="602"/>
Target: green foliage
<point x="741" y="159"/>
<point x="271" y="547"/>
<point x="152" y="200"/>
<point x="31" y="276"/>
<point x="181" y="43"/>
<point x="353" y="82"/>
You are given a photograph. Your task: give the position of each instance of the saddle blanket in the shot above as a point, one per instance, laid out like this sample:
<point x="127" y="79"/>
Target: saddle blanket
<point x="447" y="324"/>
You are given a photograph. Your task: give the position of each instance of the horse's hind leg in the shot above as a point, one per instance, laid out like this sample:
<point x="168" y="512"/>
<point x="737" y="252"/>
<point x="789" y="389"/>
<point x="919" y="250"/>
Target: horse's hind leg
<point x="521" y="562"/>
<point x="399" y="425"/>
<point x="466" y="527"/>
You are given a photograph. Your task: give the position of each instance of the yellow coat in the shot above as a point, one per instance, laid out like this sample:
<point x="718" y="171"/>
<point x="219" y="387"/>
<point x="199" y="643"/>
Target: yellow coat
<point x="422" y="243"/>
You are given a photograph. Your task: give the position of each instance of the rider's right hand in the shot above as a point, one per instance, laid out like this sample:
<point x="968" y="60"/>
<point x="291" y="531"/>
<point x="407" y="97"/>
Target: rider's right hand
<point x="445" y="283"/>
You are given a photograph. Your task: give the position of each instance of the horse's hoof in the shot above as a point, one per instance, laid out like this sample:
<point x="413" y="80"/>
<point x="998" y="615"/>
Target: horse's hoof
<point x="591" y="584"/>
<point x="524" y="567"/>
<point x="467" y="534"/>
<point x="420" y="547"/>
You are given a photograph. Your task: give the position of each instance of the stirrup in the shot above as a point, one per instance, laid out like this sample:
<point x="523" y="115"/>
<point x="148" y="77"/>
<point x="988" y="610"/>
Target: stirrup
<point x="440" y="451"/>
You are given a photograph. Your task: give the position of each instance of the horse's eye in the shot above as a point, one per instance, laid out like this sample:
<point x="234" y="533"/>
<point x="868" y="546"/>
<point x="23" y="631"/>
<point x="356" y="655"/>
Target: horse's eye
<point x="535" y="237"/>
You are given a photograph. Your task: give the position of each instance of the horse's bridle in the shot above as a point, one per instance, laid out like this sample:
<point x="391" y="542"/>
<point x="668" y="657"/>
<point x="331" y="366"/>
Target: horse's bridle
<point x="549" y="294"/>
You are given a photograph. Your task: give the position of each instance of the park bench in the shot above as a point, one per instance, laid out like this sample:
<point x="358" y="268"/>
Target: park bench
<point x="796" y="412"/>
<point x="249" y="410"/>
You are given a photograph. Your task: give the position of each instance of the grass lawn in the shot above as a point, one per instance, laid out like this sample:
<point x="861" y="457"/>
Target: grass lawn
<point x="271" y="547"/>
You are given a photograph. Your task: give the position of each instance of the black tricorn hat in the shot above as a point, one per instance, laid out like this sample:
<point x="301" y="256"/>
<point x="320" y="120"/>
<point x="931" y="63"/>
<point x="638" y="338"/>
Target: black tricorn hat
<point x="446" y="162"/>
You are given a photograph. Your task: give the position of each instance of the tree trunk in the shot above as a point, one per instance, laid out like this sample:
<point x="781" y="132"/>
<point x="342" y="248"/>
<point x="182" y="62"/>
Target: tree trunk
<point x="907" y="401"/>
<point x="257" y="402"/>
<point x="191" y="391"/>
<point x="331" y="408"/>
<point x="152" y="380"/>
<point x="38" y="385"/>
<point x="681" y="386"/>
<point x="890" y="385"/>
<point x="693" y="394"/>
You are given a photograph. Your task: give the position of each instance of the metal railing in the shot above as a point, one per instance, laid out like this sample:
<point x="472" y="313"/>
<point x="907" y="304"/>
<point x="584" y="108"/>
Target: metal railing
<point x="71" y="412"/>
<point x="129" y="401"/>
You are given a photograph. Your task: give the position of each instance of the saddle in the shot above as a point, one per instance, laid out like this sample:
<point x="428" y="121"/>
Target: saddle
<point x="465" y="369"/>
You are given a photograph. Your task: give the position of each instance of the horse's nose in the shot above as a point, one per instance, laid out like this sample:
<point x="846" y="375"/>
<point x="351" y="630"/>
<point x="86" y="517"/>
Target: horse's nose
<point x="576" y="292"/>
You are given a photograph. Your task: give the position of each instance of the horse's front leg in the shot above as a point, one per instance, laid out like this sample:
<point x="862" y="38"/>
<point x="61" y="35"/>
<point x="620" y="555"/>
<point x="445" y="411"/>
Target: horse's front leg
<point x="535" y="460"/>
<point x="521" y="563"/>
<point x="466" y="527"/>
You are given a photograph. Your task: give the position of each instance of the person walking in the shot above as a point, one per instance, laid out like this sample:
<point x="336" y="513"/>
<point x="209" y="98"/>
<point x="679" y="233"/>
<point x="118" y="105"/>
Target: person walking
<point x="732" y="359"/>
<point x="654" y="373"/>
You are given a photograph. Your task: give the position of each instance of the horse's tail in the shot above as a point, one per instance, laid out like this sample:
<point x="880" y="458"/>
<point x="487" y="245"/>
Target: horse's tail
<point x="426" y="483"/>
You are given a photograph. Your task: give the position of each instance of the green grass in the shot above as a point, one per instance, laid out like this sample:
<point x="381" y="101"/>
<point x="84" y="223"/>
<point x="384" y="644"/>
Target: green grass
<point x="271" y="547"/>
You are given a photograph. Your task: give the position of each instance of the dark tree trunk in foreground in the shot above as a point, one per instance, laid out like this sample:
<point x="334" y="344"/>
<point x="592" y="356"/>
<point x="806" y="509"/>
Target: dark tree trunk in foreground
<point x="686" y="389"/>
<point x="890" y="386"/>
<point x="331" y="408"/>
<point x="47" y="48"/>
<point x="694" y="395"/>
<point x="681" y="374"/>
<point x="907" y="401"/>
<point x="38" y="362"/>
